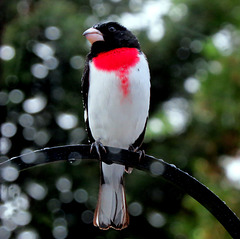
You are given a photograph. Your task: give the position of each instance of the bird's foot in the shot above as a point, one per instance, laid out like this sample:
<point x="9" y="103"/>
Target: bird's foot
<point x="98" y="146"/>
<point x="128" y="170"/>
<point x="141" y="156"/>
<point x="141" y="153"/>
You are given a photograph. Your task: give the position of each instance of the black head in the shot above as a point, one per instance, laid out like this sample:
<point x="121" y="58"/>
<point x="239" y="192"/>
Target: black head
<point x="113" y="36"/>
<point x="117" y="35"/>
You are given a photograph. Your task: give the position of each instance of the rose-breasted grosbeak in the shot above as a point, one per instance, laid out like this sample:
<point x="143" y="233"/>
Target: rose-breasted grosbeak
<point x="116" y="93"/>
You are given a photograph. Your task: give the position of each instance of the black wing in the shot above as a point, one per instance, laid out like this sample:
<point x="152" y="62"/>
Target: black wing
<point x="85" y="87"/>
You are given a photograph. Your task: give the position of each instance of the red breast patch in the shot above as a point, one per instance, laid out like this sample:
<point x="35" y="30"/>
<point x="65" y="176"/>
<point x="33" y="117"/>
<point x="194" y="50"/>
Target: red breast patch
<point x="119" y="60"/>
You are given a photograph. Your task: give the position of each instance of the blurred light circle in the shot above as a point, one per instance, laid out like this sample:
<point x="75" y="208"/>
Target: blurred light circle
<point x="35" y="104"/>
<point x="74" y="158"/>
<point x="156" y="32"/>
<point x="36" y="190"/>
<point x="178" y="113"/>
<point x="8" y="129"/>
<point x="54" y="205"/>
<point x="77" y="135"/>
<point x="41" y="138"/>
<point x="157" y="168"/>
<point x="196" y="46"/>
<point x="4" y="232"/>
<point x="23" y="202"/>
<point x="53" y="33"/>
<point x="60" y="232"/>
<point x="22" y="218"/>
<point x="29" y="133"/>
<point x="156" y="219"/>
<point x="231" y="166"/>
<point x="7" y="53"/>
<point x="156" y="125"/>
<point x="26" y="120"/>
<point x="16" y="96"/>
<point x="42" y="50"/>
<point x="23" y="7"/>
<point x="77" y="62"/>
<point x="51" y="63"/>
<point x="39" y="71"/>
<point x="215" y="67"/>
<point x="81" y="195"/>
<point x="9" y="173"/>
<point x="67" y="121"/>
<point x="177" y="12"/>
<point x="5" y="145"/>
<point x="223" y="41"/>
<point x="27" y="156"/>
<point x="12" y="192"/>
<point x="27" y="235"/>
<point x="135" y="209"/>
<point x="9" y="224"/>
<point x="87" y="216"/>
<point x="63" y="184"/>
<point x="191" y="85"/>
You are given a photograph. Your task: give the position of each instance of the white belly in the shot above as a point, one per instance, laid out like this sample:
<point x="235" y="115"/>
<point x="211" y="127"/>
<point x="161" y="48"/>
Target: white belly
<point x="114" y="118"/>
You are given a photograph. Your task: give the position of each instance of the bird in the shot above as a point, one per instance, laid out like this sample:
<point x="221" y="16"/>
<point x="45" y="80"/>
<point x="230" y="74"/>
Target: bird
<point x="116" y="99"/>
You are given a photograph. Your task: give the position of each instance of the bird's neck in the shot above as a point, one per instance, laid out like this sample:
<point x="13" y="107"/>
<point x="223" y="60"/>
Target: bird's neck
<point x="117" y="59"/>
<point x="99" y="47"/>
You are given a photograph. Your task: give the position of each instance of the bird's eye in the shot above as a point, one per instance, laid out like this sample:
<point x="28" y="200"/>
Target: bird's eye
<point x="112" y="29"/>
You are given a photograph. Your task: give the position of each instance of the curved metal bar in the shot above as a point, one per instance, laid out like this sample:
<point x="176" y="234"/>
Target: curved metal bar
<point x="169" y="172"/>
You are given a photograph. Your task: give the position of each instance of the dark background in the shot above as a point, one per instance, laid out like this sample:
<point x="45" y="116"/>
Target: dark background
<point x="193" y="52"/>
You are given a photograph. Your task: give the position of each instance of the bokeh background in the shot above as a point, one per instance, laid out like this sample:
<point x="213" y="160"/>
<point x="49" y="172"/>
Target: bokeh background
<point x="193" y="52"/>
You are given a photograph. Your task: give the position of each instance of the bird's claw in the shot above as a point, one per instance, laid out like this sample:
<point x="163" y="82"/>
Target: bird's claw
<point x="97" y="145"/>
<point x="141" y="153"/>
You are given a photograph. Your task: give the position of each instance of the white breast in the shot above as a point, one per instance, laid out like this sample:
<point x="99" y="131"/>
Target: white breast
<point x="116" y="119"/>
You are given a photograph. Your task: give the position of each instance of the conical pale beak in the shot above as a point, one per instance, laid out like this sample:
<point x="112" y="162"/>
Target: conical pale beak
<point x="93" y="35"/>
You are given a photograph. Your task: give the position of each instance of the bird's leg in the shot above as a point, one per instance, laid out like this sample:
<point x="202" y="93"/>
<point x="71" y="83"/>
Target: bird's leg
<point x="97" y="145"/>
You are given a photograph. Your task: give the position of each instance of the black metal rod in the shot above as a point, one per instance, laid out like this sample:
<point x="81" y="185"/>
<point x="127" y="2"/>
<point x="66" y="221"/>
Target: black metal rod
<point x="157" y="166"/>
